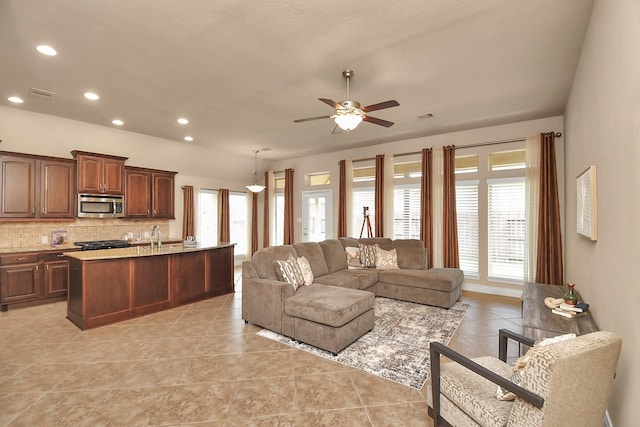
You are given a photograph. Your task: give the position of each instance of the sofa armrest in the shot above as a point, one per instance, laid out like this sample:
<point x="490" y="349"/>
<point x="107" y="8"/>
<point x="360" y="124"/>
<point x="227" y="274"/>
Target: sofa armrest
<point x="263" y="302"/>
<point x="436" y="349"/>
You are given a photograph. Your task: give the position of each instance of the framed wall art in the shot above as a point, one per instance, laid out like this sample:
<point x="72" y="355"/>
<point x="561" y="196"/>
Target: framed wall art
<point x="587" y="204"/>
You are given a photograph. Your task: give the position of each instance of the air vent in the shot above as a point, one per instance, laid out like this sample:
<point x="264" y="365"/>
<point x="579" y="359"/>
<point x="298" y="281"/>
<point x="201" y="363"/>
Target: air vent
<point x="426" y="116"/>
<point x="41" y="93"/>
<point x="265" y="149"/>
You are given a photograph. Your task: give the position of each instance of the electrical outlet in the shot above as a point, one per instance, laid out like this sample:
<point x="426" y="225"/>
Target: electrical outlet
<point x="44" y="239"/>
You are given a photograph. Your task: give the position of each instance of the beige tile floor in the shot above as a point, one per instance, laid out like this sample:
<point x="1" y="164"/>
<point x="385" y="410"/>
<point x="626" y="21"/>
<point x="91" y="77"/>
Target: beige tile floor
<point x="200" y="365"/>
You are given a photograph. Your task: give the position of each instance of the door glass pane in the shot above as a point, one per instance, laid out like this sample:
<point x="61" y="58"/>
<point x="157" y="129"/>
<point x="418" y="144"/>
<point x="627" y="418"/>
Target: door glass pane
<point x="316" y="215"/>
<point x="238" y="216"/>
<point x="208" y="216"/>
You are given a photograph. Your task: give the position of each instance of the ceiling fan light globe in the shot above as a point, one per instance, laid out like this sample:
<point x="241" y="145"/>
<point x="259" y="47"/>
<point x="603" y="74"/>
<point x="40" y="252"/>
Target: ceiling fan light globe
<point x="348" y="121"/>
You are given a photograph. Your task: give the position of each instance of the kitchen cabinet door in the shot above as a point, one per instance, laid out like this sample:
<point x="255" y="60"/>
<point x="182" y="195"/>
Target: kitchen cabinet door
<point x="164" y="195"/>
<point x="99" y="174"/>
<point x="20" y="282"/>
<point x="138" y="193"/>
<point x="57" y="184"/>
<point x="18" y="186"/>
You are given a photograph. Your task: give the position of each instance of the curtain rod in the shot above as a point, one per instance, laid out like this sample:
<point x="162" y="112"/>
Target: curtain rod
<point x="479" y="144"/>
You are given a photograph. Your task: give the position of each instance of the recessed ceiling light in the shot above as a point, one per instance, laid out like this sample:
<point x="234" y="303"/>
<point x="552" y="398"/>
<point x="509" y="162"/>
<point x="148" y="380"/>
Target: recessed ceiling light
<point x="117" y="122"/>
<point x="15" y="99"/>
<point x="46" y="50"/>
<point x="92" y="96"/>
<point x="188" y="138"/>
<point x="183" y="121"/>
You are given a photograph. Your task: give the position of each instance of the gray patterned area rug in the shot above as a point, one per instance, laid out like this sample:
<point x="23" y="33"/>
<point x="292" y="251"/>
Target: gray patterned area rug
<point x="398" y="346"/>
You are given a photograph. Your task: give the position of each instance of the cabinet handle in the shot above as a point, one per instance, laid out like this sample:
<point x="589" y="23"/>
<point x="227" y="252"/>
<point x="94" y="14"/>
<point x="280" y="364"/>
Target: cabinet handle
<point x="22" y="258"/>
<point x="154" y="212"/>
<point x="33" y="211"/>
<point x="148" y="212"/>
<point x="47" y="266"/>
<point x="42" y="211"/>
<point x="37" y="269"/>
<point x="61" y="255"/>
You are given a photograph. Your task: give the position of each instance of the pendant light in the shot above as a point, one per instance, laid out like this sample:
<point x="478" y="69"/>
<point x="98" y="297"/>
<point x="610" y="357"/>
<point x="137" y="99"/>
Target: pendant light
<point x="255" y="188"/>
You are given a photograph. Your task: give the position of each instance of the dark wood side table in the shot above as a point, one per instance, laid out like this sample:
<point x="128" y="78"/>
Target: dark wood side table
<point x="538" y="322"/>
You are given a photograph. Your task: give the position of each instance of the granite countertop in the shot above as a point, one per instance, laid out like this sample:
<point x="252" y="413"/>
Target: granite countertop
<point x="40" y="248"/>
<point x="140" y="251"/>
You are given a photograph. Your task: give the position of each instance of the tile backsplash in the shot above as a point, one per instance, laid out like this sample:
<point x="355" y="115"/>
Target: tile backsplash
<point x="29" y="234"/>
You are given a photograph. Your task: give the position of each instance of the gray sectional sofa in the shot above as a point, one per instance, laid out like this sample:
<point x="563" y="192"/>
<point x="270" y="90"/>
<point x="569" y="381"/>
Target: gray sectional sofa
<point x="337" y="308"/>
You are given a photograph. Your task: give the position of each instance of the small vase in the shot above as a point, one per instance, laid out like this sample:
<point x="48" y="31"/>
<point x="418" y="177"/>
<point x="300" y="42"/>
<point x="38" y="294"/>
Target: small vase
<point x="570" y="297"/>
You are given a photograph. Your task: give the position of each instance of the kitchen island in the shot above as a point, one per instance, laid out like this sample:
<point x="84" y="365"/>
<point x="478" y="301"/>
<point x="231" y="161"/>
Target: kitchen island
<point x="112" y="285"/>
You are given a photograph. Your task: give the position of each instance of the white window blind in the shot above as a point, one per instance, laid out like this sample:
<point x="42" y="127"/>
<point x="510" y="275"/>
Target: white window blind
<point x="467" y="217"/>
<point x="208" y="216"/>
<point x="406" y="211"/>
<point x="278" y="221"/>
<point x="239" y="223"/>
<point x="506" y="228"/>
<point x="363" y="196"/>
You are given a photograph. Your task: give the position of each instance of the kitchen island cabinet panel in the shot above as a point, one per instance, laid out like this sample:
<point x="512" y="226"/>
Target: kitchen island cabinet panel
<point x="187" y="271"/>
<point x="150" y="284"/>
<point x="108" y="286"/>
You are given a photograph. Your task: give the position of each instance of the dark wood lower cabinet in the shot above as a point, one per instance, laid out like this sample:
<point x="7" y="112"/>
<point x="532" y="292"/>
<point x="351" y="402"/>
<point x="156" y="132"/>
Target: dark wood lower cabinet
<point x="104" y="291"/>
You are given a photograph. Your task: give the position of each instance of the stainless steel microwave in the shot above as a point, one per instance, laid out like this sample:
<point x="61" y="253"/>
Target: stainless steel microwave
<point x="100" y="206"/>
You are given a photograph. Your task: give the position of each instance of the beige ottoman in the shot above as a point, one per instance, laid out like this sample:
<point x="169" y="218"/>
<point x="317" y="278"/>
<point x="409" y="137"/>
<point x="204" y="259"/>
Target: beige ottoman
<point x="329" y="317"/>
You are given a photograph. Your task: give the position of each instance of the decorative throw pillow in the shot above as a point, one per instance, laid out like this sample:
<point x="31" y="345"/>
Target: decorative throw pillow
<point x="291" y="273"/>
<point x="516" y="376"/>
<point x="305" y="268"/>
<point x="353" y="256"/>
<point x="386" y="260"/>
<point x="367" y="256"/>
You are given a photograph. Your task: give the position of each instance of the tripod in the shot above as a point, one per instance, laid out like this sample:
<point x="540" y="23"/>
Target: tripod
<point x="366" y="221"/>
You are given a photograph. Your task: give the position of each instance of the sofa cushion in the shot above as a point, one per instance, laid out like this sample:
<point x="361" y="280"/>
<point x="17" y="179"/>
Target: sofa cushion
<point x="361" y="278"/>
<point x="367" y="256"/>
<point x="290" y="272"/>
<point x="341" y="279"/>
<point x="386" y="260"/>
<point x="313" y="253"/>
<point x="441" y="279"/>
<point x="353" y="256"/>
<point x="329" y="305"/>
<point x="411" y="253"/>
<point x="334" y="255"/>
<point x="349" y="242"/>
<point x="264" y="260"/>
<point x="305" y="267"/>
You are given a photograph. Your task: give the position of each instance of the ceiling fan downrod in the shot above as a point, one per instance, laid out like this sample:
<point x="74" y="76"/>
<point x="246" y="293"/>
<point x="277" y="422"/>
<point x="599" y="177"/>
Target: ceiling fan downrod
<point x="347" y="75"/>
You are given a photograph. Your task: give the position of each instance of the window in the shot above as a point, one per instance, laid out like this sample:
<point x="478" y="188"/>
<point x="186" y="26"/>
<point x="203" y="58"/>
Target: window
<point x="208" y="216"/>
<point x="507" y="160"/>
<point x="406" y="211"/>
<point x="319" y="178"/>
<point x="506" y="228"/>
<point x="363" y="196"/>
<point x="277" y="237"/>
<point x="239" y="223"/>
<point x="466" y="164"/>
<point x="468" y="233"/>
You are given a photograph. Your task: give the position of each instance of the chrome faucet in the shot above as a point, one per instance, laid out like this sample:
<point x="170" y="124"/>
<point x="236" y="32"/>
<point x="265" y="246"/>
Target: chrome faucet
<point x="153" y="233"/>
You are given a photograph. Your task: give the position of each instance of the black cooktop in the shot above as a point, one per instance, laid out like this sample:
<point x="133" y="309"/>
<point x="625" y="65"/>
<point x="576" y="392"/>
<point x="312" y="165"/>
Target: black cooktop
<point x="102" y="244"/>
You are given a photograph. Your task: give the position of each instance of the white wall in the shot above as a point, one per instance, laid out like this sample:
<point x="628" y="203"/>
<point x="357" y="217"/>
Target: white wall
<point x="602" y="124"/>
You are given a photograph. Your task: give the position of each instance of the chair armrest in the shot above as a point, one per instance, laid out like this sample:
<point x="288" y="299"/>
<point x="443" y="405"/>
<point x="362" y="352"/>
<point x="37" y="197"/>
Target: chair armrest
<point x="436" y="349"/>
<point x="503" y="339"/>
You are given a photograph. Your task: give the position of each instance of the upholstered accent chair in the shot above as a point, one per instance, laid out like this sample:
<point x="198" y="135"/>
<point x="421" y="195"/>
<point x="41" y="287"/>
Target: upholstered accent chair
<point x="565" y="383"/>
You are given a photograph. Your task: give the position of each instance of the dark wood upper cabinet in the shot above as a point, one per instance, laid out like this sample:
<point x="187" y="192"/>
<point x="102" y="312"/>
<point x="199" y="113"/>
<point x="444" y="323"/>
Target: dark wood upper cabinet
<point x="18" y="186"/>
<point x="57" y="183"/>
<point x="149" y="193"/>
<point x="36" y="187"/>
<point x="99" y="173"/>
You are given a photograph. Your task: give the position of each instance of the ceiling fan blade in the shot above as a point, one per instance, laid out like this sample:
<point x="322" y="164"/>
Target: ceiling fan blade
<point x="331" y="103"/>
<point x="376" y="121"/>
<point x="380" y="106"/>
<point x="308" y="119"/>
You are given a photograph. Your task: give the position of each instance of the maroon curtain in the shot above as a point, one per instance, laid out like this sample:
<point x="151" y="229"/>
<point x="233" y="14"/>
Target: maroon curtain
<point x="449" y="218"/>
<point x="379" y="196"/>
<point x="288" y="207"/>
<point x="254" y="223"/>
<point x="223" y="215"/>
<point x="265" y="216"/>
<point x="187" y="219"/>
<point x="426" y="203"/>
<point x="549" y="268"/>
<point x="342" y="200"/>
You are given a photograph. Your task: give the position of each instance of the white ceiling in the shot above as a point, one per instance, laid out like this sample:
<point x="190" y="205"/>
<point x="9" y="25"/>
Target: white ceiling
<point x="242" y="71"/>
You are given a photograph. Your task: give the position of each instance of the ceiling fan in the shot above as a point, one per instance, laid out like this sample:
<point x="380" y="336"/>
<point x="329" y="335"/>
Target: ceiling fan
<point x="349" y="113"/>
